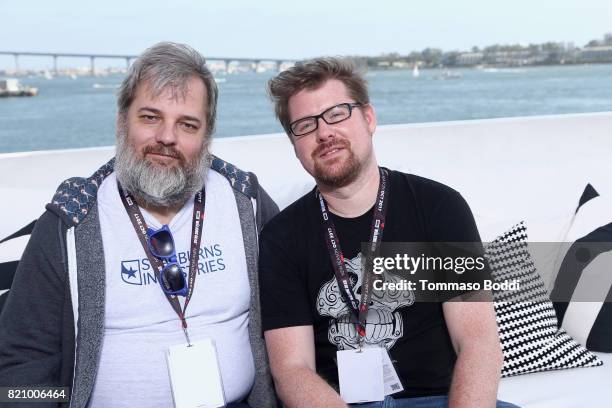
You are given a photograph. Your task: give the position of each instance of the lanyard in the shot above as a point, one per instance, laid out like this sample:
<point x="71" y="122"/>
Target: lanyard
<point x="359" y="309"/>
<point x="196" y="236"/>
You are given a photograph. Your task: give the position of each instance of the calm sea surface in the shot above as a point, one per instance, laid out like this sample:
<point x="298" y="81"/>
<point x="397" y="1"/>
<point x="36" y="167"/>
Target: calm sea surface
<point x="71" y="113"/>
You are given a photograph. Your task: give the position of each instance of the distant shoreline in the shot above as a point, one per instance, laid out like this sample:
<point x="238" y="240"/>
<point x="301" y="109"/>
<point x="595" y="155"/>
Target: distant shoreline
<point x="67" y="72"/>
<point x="478" y="67"/>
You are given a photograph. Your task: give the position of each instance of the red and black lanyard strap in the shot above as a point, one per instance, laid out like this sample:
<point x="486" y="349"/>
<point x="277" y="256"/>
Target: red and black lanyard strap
<point x="359" y="309"/>
<point x="196" y="237"/>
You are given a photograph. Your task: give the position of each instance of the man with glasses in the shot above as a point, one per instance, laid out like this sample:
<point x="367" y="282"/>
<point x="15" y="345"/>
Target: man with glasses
<point x="325" y="328"/>
<point x="139" y="284"/>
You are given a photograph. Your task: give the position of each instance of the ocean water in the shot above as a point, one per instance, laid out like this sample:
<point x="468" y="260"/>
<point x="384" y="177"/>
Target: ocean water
<point x="75" y="113"/>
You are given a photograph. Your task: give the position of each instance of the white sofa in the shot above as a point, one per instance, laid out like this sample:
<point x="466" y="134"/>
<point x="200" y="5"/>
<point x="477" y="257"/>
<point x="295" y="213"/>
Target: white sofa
<point x="531" y="169"/>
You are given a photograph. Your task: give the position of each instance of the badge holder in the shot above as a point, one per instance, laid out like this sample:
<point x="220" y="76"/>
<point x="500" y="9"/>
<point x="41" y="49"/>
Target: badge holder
<point x="367" y="375"/>
<point x="360" y="375"/>
<point x="195" y="377"/>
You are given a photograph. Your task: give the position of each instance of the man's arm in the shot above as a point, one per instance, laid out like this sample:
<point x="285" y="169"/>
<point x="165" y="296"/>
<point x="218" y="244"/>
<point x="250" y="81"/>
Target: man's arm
<point x="289" y="335"/>
<point x="292" y="360"/>
<point x="473" y="332"/>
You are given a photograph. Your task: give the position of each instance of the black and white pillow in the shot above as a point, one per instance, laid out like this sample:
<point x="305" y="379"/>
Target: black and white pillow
<point x="582" y="293"/>
<point x="526" y="319"/>
<point x="11" y="249"/>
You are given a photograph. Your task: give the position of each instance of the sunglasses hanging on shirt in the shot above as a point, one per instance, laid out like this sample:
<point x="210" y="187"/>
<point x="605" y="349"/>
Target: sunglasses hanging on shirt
<point x="161" y="251"/>
<point x="171" y="277"/>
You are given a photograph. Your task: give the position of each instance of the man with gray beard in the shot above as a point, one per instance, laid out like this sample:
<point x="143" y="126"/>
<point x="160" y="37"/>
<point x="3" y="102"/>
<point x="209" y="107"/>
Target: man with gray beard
<point x="139" y="284"/>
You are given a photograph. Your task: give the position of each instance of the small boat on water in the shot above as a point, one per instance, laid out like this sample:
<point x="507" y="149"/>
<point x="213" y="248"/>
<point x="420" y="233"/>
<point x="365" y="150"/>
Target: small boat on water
<point x="448" y="74"/>
<point x="415" y="70"/>
<point x="12" y="87"/>
<point x="106" y="86"/>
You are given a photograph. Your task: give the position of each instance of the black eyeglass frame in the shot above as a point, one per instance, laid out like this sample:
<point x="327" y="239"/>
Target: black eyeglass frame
<point x="316" y="118"/>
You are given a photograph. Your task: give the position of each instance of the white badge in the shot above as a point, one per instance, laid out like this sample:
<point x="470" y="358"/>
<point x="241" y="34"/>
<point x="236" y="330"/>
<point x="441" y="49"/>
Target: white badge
<point x="391" y="379"/>
<point x="195" y="378"/>
<point x="360" y="375"/>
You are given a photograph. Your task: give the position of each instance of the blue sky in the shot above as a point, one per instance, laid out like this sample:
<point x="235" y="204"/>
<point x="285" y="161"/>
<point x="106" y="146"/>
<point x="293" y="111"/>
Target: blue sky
<point x="284" y="29"/>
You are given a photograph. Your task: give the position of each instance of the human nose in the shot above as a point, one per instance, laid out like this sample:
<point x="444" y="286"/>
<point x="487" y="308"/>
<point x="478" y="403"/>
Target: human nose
<point x="324" y="130"/>
<point x="166" y="134"/>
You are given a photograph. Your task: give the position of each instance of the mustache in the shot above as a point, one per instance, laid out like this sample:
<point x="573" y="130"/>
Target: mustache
<point x="163" y="150"/>
<point x="343" y="143"/>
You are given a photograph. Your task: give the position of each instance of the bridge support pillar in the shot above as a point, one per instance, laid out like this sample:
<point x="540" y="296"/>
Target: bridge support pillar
<point x="93" y="65"/>
<point x="16" y="62"/>
<point x="55" y="64"/>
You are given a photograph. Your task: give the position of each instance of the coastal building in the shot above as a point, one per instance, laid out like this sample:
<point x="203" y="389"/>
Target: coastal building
<point x="597" y="54"/>
<point x="508" y="58"/>
<point x="468" y="59"/>
<point x="401" y="64"/>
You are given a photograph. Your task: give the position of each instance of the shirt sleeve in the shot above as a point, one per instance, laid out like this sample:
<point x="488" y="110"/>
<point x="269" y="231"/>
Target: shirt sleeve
<point x="266" y="207"/>
<point x="454" y="231"/>
<point x="283" y="286"/>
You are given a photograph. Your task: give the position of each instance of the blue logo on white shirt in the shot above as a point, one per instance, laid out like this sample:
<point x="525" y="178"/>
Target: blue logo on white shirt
<point x="139" y="271"/>
<point x="130" y="272"/>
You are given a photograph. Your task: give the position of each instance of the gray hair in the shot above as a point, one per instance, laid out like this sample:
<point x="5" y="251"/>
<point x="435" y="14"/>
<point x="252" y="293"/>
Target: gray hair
<point x="169" y="64"/>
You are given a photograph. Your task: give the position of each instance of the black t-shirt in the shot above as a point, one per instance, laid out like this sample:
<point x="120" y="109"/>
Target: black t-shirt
<point x="298" y="285"/>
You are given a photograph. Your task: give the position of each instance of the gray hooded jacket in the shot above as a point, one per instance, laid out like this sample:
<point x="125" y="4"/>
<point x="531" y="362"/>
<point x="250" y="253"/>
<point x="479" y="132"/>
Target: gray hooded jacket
<point x="52" y="325"/>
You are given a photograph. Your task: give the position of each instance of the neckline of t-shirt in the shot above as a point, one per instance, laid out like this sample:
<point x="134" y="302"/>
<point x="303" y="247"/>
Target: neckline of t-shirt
<point x="366" y="215"/>
<point x="184" y="215"/>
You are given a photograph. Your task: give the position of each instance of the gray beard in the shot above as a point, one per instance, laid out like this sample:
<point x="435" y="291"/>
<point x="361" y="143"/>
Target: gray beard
<point x="156" y="185"/>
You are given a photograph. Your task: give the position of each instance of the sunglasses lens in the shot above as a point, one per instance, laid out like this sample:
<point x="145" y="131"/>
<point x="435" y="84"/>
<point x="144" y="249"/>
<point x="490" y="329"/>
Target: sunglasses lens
<point x="162" y="243"/>
<point x="173" y="278"/>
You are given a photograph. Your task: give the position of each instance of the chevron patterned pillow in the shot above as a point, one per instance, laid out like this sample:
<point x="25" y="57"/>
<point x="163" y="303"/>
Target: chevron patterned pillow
<point x="526" y="319"/>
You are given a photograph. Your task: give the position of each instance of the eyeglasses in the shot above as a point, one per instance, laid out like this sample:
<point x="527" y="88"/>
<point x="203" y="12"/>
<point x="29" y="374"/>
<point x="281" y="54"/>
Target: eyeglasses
<point x="335" y="114"/>
<point x="172" y="278"/>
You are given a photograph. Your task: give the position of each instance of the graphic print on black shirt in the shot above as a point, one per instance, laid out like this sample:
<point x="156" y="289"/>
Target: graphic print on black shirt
<point x="384" y="324"/>
<point x="298" y="285"/>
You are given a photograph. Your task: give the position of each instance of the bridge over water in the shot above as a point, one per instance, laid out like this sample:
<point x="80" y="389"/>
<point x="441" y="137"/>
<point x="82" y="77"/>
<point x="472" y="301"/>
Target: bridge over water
<point x="128" y="58"/>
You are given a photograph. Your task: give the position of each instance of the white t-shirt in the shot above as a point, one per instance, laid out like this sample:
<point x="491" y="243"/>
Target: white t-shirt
<point x="140" y="324"/>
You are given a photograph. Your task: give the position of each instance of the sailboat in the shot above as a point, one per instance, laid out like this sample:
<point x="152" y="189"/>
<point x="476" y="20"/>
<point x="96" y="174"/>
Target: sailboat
<point x="415" y="70"/>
